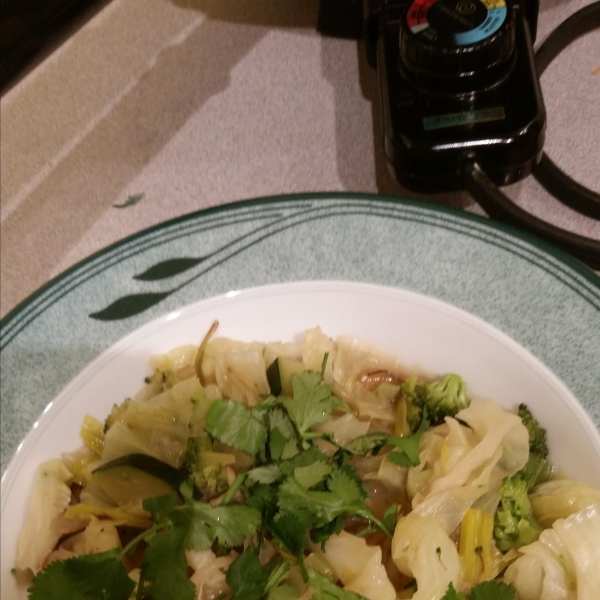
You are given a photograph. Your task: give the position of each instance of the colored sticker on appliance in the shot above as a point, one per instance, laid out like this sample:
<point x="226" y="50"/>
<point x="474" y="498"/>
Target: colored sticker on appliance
<point x="464" y="118"/>
<point x="461" y="22"/>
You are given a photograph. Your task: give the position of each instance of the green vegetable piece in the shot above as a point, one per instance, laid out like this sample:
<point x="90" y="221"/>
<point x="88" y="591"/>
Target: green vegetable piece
<point x="443" y="398"/>
<point x="267" y="474"/>
<point x="160" y="506"/>
<point x="135" y="477"/>
<point x="311" y="475"/>
<point x="345" y="484"/>
<point x="101" y="576"/>
<point x="312" y="402"/>
<point x="514" y="523"/>
<point x="236" y="425"/>
<point x="164" y="567"/>
<point x="279" y="375"/>
<point x="328" y="590"/>
<point x="390" y="517"/>
<point x="249" y="581"/>
<point x="371" y="442"/>
<point x="305" y="458"/>
<point x="319" y="535"/>
<point x="537" y="470"/>
<point x="319" y="508"/>
<point x="409" y="445"/>
<point x="289" y="532"/>
<point x="263" y="498"/>
<point x="283" y="592"/>
<point x="245" y="576"/>
<point x="452" y="594"/>
<point x="191" y="526"/>
<point x="493" y="590"/>
<point x="537" y="434"/>
<point x="280" y="572"/>
<point x="282" y="436"/>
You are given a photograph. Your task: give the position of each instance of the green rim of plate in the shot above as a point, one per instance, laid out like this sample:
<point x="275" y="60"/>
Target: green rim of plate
<point x="531" y="239"/>
<point x="543" y="298"/>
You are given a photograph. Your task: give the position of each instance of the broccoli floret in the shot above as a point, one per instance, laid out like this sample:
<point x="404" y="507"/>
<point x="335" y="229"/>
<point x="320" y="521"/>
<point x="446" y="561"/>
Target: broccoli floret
<point x="443" y="398"/>
<point x="537" y="434"/>
<point x="514" y="523"/>
<point x="189" y="464"/>
<point x="210" y="480"/>
<point x="537" y="470"/>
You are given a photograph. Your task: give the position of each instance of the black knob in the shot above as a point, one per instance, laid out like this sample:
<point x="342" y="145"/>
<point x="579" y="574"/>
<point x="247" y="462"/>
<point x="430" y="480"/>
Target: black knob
<point x="444" y="40"/>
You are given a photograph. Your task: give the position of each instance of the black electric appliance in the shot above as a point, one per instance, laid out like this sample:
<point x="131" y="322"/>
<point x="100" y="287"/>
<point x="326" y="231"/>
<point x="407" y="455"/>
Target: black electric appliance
<point x="461" y="101"/>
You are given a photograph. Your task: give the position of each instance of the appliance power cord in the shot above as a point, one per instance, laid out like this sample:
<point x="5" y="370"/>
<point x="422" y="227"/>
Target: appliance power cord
<point x="560" y="185"/>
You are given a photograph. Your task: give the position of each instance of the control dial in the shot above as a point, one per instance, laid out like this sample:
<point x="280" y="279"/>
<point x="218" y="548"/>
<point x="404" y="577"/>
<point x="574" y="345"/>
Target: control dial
<point x="456" y="38"/>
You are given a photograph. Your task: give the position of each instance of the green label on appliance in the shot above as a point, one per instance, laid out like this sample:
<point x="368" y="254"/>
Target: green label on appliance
<point x="464" y="118"/>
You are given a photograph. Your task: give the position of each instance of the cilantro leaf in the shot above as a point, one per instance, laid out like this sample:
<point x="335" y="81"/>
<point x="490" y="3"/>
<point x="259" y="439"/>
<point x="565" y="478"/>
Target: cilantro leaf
<point x="390" y="517"/>
<point x="310" y="475"/>
<point x="283" y="592"/>
<point x="493" y="590"/>
<point x="245" y="576"/>
<point x="236" y="425"/>
<point x="329" y="590"/>
<point x="263" y="498"/>
<point x="165" y="567"/>
<point x="305" y="458"/>
<point x="312" y="402"/>
<point x="228" y="525"/>
<point x="345" y="483"/>
<point x="319" y="508"/>
<point x="266" y="474"/>
<point x="101" y="576"/>
<point x="319" y="535"/>
<point x="452" y="594"/>
<point x="402" y="459"/>
<point x="289" y="531"/>
<point x="249" y="581"/>
<point x="160" y="506"/>
<point x="282" y="436"/>
<point x="192" y="526"/>
<point x="409" y="445"/>
<point x="371" y="442"/>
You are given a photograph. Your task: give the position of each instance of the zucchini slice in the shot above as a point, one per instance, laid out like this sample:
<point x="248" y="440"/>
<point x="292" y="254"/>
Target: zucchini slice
<point x="279" y="375"/>
<point x="135" y="477"/>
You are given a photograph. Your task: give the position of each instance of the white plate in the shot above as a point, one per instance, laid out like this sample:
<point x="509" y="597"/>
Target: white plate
<point x="422" y="332"/>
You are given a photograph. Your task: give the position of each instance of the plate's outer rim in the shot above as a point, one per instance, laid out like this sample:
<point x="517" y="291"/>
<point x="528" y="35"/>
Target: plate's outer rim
<point x="299" y="287"/>
<point x="563" y="270"/>
<point x="531" y="240"/>
<point x="449" y="310"/>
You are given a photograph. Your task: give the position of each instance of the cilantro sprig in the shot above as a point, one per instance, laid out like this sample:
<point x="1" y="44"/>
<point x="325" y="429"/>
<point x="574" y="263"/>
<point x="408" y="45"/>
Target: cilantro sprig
<point x="294" y="493"/>
<point x="488" y="590"/>
<point x="101" y="576"/>
<point x="250" y="581"/>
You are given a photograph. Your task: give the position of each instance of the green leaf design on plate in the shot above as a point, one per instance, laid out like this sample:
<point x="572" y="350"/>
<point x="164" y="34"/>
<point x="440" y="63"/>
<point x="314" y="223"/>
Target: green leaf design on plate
<point x="131" y="200"/>
<point x="168" y="268"/>
<point x="128" y="306"/>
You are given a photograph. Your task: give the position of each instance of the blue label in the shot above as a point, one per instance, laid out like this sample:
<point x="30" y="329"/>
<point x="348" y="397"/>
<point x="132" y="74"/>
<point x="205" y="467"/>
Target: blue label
<point x="493" y="22"/>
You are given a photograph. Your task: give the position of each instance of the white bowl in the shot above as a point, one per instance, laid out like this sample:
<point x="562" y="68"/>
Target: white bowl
<point x="422" y="332"/>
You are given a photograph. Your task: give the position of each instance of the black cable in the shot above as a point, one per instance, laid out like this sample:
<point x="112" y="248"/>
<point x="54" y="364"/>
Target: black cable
<point x="558" y="183"/>
<point x="500" y="207"/>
